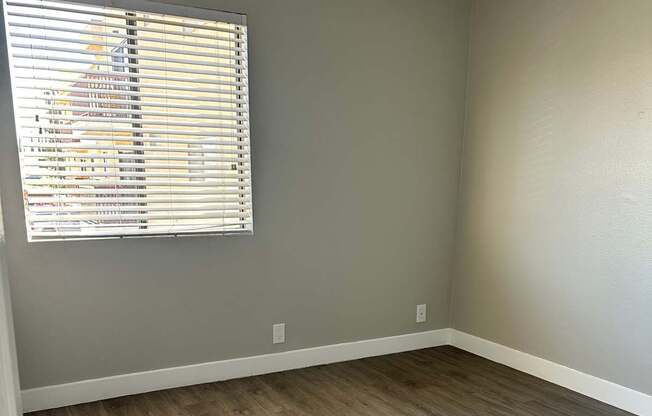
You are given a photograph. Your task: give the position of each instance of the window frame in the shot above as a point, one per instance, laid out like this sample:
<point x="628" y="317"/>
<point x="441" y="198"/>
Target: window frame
<point x="174" y="10"/>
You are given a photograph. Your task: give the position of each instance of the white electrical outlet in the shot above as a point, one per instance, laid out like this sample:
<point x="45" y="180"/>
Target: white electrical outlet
<point x="278" y="333"/>
<point x="421" y="313"/>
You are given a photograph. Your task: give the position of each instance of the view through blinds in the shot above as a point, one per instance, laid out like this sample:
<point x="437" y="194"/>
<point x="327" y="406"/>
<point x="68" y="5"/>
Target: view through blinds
<point x="129" y="123"/>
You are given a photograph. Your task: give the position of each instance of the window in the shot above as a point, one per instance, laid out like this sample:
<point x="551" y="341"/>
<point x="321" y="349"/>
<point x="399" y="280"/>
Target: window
<point x="118" y="57"/>
<point x="130" y="122"/>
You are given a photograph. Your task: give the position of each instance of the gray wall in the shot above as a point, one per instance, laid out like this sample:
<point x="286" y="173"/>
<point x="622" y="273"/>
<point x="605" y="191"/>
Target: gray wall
<point x="357" y="113"/>
<point x="9" y="389"/>
<point x="555" y="254"/>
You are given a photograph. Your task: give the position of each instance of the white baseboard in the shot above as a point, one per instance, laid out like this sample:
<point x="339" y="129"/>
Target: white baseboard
<point x="51" y="397"/>
<point x="122" y="385"/>
<point x="597" y="388"/>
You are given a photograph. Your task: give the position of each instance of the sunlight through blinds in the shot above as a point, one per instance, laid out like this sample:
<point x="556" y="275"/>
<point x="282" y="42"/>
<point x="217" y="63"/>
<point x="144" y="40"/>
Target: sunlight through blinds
<point x="130" y="123"/>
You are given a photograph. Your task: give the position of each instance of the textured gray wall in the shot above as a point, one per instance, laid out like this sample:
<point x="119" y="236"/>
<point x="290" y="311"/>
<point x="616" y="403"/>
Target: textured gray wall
<point x="357" y="113"/>
<point x="555" y="254"/>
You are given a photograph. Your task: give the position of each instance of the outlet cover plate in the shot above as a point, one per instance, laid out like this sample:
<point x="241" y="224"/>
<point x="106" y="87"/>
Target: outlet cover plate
<point x="278" y="333"/>
<point x="422" y="314"/>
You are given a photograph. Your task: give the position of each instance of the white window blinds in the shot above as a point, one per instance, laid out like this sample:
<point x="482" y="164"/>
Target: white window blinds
<point x="130" y="123"/>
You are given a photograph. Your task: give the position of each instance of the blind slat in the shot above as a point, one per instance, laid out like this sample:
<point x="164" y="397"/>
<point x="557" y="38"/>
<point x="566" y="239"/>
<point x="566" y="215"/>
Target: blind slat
<point x="215" y="54"/>
<point x="116" y="112"/>
<point x="145" y="174"/>
<point x="160" y="230"/>
<point x="109" y="102"/>
<point x="139" y="130"/>
<point x="114" y="190"/>
<point x="127" y="200"/>
<point x="138" y="208"/>
<point x="101" y="74"/>
<point x="69" y="155"/>
<point x="128" y="120"/>
<point x="113" y="217"/>
<point x="122" y="111"/>
<point x="179" y="69"/>
<point x="121" y="93"/>
<point x="91" y="182"/>
<point x="63" y="138"/>
<point x="236" y="87"/>
<point x="92" y="165"/>
<point x="140" y="57"/>
<point x="83" y="146"/>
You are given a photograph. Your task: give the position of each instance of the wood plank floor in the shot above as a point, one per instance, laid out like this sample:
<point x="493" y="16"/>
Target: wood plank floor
<point x="442" y="381"/>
